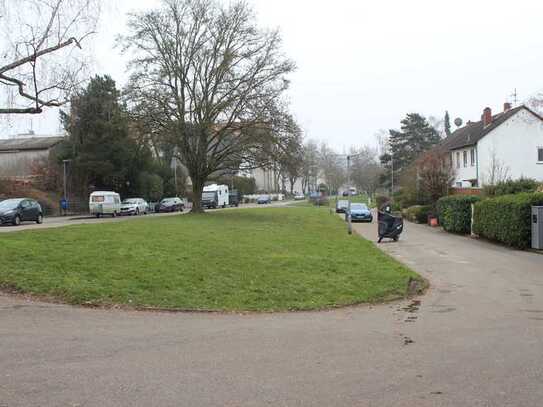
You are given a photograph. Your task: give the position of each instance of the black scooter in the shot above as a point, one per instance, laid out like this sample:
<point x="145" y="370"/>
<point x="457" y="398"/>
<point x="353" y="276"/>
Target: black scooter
<point x="390" y="226"/>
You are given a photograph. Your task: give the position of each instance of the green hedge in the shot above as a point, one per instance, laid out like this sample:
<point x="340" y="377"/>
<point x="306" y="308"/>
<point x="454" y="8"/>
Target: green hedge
<point x="417" y="213"/>
<point x="454" y="212"/>
<point x="507" y="219"/>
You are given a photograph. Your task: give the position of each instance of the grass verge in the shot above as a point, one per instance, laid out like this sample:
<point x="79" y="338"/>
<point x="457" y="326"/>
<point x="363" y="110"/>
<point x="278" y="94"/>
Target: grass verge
<point x="272" y="259"/>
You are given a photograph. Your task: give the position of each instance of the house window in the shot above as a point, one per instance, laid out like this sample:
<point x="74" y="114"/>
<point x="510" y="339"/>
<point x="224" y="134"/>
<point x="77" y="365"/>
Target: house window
<point x="457" y="159"/>
<point x="472" y="157"/>
<point x="540" y="154"/>
<point x="465" y="156"/>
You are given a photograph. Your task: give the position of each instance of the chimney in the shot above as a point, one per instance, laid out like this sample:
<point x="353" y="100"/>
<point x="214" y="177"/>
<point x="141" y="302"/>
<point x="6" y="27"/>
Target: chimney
<point x="506" y="106"/>
<point x="487" y="116"/>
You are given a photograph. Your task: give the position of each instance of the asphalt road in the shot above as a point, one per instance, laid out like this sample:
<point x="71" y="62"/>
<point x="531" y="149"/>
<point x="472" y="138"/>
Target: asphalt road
<point x="62" y="221"/>
<point x="475" y="339"/>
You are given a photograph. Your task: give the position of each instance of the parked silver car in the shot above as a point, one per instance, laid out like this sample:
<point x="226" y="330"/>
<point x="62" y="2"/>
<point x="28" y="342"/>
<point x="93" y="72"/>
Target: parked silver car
<point x="134" y="206"/>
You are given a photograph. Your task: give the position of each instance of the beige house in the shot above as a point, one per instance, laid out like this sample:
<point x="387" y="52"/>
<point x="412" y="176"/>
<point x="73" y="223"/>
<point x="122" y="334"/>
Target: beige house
<point x="18" y="155"/>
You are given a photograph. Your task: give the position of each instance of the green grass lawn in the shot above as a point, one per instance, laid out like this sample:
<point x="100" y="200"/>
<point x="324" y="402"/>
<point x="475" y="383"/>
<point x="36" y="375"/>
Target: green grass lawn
<point x="250" y="259"/>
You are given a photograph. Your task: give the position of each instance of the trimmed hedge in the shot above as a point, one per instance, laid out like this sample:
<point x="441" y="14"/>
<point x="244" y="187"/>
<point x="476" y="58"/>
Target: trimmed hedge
<point x="507" y="219"/>
<point x="417" y="213"/>
<point x="454" y="213"/>
<point x="511" y="187"/>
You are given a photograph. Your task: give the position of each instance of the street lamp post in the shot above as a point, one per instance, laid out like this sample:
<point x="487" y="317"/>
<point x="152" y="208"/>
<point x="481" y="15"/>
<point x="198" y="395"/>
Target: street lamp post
<point x="349" y="221"/>
<point x="65" y="188"/>
<point x="392" y="175"/>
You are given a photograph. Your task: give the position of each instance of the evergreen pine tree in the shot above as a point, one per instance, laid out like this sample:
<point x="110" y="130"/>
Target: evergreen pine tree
<point x="415" y="136"/>
<point x="447" y="124"/>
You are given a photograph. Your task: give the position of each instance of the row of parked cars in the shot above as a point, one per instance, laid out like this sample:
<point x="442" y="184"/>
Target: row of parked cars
<point x="109" y="203"/>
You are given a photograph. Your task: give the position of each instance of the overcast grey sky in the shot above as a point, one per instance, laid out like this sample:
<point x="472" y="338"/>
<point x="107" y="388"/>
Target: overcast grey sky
<point x="362" y="65"/>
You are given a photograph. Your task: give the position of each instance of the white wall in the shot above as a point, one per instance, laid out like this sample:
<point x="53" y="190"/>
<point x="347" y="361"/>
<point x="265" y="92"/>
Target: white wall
<point x="20" y="163"/>
<point x="514" y="144"/>
<point x="265" y="181"/>
<point x="465" y="172"/>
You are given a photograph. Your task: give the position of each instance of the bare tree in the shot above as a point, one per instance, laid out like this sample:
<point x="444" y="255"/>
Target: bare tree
<point x="435" y="174"/>
<point x="366" y="169"/>
<point x="334" y="168"/>
<point x="41" y="62"/>
<point x="310" y="166"/>
<point x="497" y="171"/>
<point x="211" y="81"/>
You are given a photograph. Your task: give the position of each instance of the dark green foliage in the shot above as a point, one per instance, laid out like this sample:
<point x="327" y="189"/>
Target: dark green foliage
<point x="511" y="187"/>
<point x="103" y="152"/>
<point x="447" y="124"/>
<point x="506" y="218"/>
<point x="415" y="137"/>
<point x="454" y="213"/>
<point x="151" y="186"/>
<point x="417" y="213"/>
<point x="244" y="185"/>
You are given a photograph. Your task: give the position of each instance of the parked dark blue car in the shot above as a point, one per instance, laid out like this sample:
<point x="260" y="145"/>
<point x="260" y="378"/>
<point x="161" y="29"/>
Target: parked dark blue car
<point x="15" y="211"/>
<point x="360" y="213"/>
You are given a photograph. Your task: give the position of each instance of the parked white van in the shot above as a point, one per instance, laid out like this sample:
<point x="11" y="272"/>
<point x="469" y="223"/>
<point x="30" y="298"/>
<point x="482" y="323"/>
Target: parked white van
<point x="215" y="196"/>
<point x="104" y="203"/>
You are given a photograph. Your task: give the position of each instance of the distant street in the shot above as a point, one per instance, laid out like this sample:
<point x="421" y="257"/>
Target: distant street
<point x="61" y="221"/>
<point x="474" y="339"/>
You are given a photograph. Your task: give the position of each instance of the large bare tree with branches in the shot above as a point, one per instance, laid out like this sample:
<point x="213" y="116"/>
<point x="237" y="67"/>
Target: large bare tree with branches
<point x="41" y="62"/>
<point x="206" y="76"/>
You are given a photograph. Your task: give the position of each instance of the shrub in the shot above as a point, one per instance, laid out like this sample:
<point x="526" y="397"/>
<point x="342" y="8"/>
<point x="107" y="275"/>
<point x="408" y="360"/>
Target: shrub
<point x="511" y="187"/>
<point x="454" y="212"/>
<point x="418" y="213"/>
<point x="507" y="218"/>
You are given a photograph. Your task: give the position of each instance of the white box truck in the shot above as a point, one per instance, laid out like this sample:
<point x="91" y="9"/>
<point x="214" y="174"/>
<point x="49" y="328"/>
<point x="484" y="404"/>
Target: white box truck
<point x="104" y="203"/>
<point x="215" y="196"/>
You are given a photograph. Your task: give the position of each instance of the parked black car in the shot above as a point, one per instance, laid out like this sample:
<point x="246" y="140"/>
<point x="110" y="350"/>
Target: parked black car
<point x="234" y="198"/>
<point x="170" y="205"/>
<point x="15" y="211"/>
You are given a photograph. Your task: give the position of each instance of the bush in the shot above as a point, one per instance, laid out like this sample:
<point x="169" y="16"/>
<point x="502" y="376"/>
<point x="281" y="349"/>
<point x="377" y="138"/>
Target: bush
<point x="418" y="213"/>
<point x="454" y="212"/>
<point x="511" y="187"/>
<point x="507" y="218"/>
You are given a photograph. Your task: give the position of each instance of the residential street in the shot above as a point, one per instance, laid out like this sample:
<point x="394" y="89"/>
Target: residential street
<point x="475" y="339"/>
<point x="61" y="221"/>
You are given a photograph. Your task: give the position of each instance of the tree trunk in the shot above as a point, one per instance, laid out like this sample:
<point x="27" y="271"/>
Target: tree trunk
<point x="197" y="189"/>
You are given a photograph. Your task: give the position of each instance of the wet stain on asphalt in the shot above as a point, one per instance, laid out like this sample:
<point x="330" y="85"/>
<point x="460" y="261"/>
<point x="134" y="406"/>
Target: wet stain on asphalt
<point x="414" y="306"/>
<point x="407" y="340"/>
<point x="444" y="310"/>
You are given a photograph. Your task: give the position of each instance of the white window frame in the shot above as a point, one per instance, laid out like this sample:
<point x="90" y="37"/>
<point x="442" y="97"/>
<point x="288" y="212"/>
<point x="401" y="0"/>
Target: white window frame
<point x="465" y="158"/>
<point x="472" y="157"/>
<point x="539" y="149"/>
<point x="458" y="159"/>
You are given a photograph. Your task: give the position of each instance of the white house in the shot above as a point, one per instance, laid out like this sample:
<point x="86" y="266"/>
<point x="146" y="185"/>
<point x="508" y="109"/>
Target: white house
<point x="506" y="145"/>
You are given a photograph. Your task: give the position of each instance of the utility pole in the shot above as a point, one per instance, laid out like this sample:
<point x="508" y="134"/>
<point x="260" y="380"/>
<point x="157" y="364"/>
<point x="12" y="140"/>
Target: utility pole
<point x="175" y="175"/>
<point x="392" y="174"/>
<point x="65" y="187"/>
